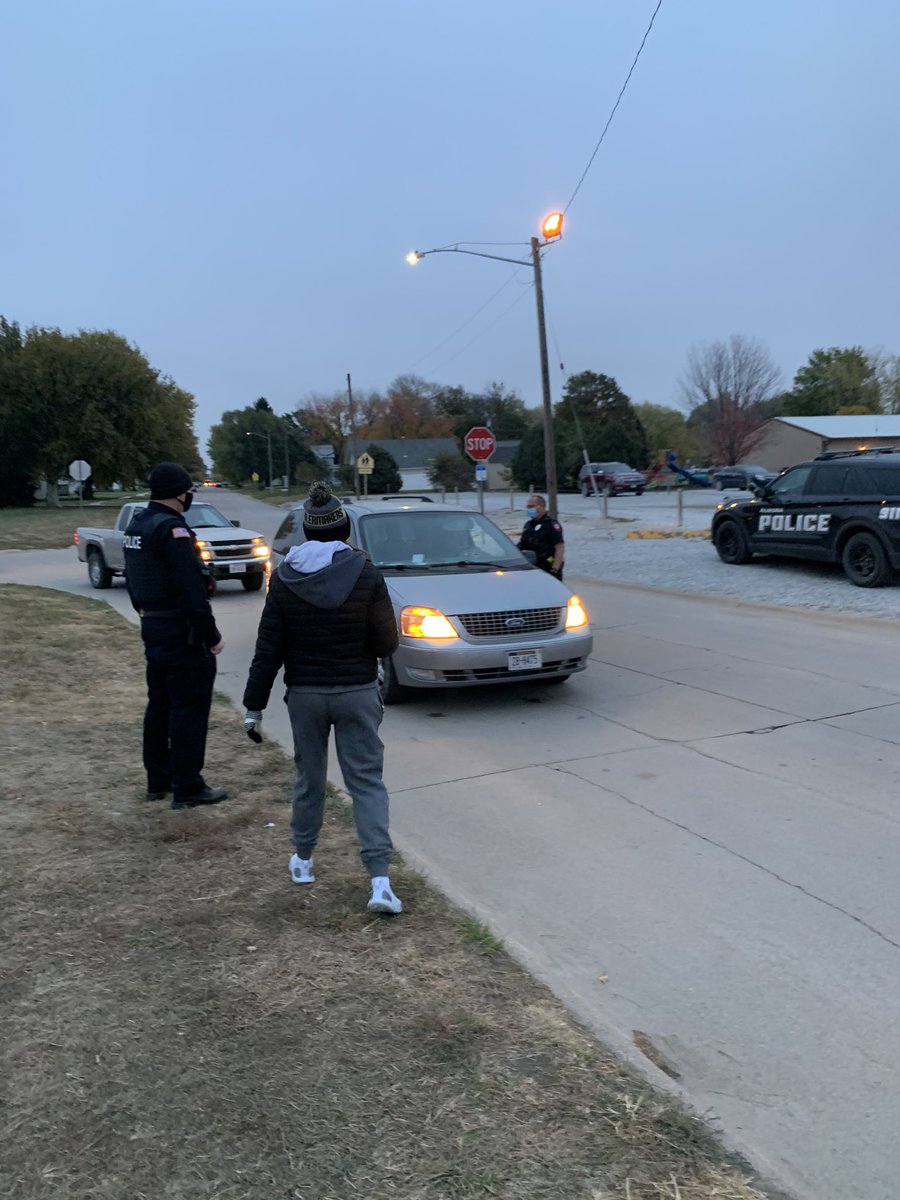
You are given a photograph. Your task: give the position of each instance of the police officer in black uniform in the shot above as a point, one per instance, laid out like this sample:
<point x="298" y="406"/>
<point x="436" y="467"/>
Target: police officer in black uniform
<point x="167" y="587"/>
<point x="544" y="536"/>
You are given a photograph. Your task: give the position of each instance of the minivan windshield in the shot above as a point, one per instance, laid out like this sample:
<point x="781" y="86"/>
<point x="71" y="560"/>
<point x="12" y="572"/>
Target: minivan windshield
<point x="425" y="540"/>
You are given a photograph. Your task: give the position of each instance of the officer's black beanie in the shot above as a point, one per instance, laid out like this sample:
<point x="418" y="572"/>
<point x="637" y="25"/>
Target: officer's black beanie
<point x="324" y="520"/>
<point x="168" y="480"/>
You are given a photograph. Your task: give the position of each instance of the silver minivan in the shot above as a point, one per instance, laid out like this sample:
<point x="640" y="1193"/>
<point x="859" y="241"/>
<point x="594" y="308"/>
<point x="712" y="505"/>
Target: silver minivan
<point x="471" y="608"/>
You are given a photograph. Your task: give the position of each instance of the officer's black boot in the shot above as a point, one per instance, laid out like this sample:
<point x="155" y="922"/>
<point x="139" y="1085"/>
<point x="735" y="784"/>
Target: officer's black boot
<point x="209" y="795"/>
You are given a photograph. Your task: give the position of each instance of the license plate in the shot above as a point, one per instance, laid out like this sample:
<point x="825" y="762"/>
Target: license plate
<point x="236" y="568"/>
<point x="525" y="660"/>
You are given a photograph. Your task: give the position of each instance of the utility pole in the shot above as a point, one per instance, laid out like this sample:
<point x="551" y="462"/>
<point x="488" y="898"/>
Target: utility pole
<point x="353" y="438"/>
<point x="287" y="461"/>
<point x="271" y="472"/>
<point x="549" y="447"/>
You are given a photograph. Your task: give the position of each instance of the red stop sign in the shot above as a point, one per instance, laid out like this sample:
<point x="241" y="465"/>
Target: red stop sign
<point x="479" y="443"/>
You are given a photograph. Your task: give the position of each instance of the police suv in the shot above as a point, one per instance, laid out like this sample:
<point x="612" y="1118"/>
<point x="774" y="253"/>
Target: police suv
<point x="841" y="507"/>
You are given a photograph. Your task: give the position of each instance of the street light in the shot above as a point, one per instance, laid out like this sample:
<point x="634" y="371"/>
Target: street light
<point x="268" y="436"/>
<point x="551" y="228"/>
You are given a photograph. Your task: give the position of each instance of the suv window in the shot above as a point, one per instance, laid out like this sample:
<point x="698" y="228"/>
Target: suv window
<point x="829" y="480"/>
<point x="789" y="486"/>
<point x="883" y="482"/>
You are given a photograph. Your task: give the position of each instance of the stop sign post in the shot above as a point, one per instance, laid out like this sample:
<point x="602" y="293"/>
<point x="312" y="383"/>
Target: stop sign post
<point x="480" y="444"/>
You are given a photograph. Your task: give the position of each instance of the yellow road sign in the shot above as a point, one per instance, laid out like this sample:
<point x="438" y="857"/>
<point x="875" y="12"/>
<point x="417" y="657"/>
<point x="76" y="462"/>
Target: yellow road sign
<point x="365" y="464"/>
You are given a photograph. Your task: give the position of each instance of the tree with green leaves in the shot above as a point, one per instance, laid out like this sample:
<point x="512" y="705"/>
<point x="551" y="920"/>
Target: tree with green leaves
<point x="18" y="447"/>
<point x="239" y="445"/>
<point x="90" y="395"/>
<point x="502" y="411"/>
<point x="666" y="429"/>
<point x="835" y="382"/>
<point x="528" y="467"/>
<point x="596" y="415"/>
<point x="450" y="471"/>
<point x="385" y="475"/>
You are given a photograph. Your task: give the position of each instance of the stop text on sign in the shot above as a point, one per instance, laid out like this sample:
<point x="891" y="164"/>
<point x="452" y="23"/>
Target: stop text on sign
<point x="479" y="443"/>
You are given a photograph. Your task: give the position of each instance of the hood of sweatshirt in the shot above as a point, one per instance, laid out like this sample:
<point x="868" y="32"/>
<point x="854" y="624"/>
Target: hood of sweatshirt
<point x="322" y="573"/>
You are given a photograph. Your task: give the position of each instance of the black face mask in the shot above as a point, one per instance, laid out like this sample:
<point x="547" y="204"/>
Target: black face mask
<point x="186" y="502"/>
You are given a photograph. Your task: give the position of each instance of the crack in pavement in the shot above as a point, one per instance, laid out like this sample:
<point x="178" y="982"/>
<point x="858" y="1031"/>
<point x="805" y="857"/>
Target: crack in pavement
<point x="737" y="854"/>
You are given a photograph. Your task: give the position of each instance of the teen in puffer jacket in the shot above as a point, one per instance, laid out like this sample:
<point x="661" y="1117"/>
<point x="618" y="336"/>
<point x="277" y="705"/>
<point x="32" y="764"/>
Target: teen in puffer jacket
<point x="327" y="620"/>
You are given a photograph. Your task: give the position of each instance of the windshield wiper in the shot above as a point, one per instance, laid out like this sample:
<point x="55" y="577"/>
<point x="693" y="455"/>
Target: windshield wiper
<point x="471" y="562"/>
<point x="403" y="566"/>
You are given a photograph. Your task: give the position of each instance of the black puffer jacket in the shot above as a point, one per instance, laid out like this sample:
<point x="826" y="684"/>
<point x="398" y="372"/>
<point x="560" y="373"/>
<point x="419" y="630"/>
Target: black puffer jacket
<point x="328" y="628"/>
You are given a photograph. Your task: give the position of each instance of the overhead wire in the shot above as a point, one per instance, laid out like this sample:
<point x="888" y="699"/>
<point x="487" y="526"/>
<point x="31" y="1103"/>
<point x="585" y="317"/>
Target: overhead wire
<point x="614" y="107"/>
<point x="487" y="328"/>
<point x="478" y="311"/>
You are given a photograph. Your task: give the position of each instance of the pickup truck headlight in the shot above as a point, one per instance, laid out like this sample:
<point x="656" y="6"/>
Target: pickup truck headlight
<point x="425" y="623"/>
<point x="261" y="551"/>
<point x="576" y="614"/>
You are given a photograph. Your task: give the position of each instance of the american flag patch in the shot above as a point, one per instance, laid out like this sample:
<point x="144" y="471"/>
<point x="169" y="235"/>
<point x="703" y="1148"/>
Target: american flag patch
<point x="180" y="531"/>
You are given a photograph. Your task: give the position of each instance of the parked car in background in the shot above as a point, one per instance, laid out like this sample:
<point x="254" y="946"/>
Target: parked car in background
<point x="226" y="551"/>
<point x="614" y="476"/>
<point x="471" y="608"/>
<point x="742" y="476"/>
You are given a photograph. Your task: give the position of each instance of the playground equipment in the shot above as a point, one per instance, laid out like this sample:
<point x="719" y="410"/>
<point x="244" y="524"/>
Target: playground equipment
<point x="671" y="464"/>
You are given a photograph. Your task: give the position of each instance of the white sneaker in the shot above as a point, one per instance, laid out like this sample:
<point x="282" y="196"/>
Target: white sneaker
<point x="301" y="870"/>
<point x="383" y="898"/>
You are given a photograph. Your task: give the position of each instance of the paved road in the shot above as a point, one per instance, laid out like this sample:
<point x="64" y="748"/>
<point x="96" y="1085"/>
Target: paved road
<point x="709" y="817"/>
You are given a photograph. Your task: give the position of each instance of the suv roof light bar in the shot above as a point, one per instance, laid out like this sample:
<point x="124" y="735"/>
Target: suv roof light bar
<point x="855" y="453"/>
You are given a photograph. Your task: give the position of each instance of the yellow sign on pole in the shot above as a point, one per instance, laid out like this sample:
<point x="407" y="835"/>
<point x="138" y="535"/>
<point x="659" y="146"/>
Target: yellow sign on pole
<point x="365" y="464"/>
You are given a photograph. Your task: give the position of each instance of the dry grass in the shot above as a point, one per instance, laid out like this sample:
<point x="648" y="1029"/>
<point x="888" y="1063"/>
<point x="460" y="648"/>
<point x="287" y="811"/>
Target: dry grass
<point x="42" y="528"/>
<point x="179" y="1020"/>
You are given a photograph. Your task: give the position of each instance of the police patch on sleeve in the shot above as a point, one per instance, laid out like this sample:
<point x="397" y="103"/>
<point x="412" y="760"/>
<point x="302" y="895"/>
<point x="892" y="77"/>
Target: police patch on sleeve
<point x="180" y="531"/>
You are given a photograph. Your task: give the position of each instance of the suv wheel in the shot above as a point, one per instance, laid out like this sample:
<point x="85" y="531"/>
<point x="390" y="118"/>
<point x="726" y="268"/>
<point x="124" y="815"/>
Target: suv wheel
<point x="732" y="544"/>
<point x="865" y="561"/>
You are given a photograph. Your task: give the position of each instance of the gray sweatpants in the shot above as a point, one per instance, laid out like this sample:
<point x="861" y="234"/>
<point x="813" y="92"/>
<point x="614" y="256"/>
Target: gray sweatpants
<point x="355" y="717"/>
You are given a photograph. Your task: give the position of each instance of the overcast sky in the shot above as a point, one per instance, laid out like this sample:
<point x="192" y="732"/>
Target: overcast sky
<point x="234" y="186"/>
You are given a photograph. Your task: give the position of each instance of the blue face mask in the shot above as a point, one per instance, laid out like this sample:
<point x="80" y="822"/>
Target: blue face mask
<point x="532" y="512"/>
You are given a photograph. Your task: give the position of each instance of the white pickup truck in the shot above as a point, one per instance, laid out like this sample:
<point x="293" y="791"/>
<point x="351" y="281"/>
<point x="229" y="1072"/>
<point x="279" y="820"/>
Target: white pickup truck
<point x="226" y="551"/>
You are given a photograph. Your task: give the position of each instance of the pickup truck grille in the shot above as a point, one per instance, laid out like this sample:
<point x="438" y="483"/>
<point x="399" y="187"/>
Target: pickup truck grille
<point x="513" y="623"/>
<point x="237" y="549"/>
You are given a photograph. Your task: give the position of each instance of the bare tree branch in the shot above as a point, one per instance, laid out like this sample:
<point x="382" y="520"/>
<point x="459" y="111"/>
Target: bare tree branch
<point x="728" y="386"/>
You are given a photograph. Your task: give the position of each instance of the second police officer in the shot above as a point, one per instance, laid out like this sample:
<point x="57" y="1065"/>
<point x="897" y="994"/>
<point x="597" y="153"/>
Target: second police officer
<point x="544" y="537"/>
<point x="168" y="590"/>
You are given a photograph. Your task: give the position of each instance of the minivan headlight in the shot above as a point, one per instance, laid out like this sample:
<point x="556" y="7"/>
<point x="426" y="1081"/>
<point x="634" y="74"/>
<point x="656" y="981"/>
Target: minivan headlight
<point x="576" y="614"/>
<point x="425" y="623"/>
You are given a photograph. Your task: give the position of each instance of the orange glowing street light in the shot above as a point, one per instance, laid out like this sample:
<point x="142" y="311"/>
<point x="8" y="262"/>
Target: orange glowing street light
<point x="552" y="226"/>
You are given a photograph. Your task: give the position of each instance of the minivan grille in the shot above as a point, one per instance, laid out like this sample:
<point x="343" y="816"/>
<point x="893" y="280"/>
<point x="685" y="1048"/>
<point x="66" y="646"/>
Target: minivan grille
<point x="511" y="624"/>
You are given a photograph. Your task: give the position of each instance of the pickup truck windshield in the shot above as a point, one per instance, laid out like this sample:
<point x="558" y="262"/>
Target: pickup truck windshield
<point x="204" y="516"/>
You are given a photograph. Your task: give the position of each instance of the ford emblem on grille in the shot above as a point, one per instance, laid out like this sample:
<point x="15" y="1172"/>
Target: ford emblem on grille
<point x="514" y="623"/>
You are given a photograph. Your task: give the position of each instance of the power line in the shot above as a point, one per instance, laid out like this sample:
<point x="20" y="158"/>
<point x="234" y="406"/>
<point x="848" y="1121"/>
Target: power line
<point x="486" y="329"/>
<point x="614" y="107"/>
<point x="450" y="336"/>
